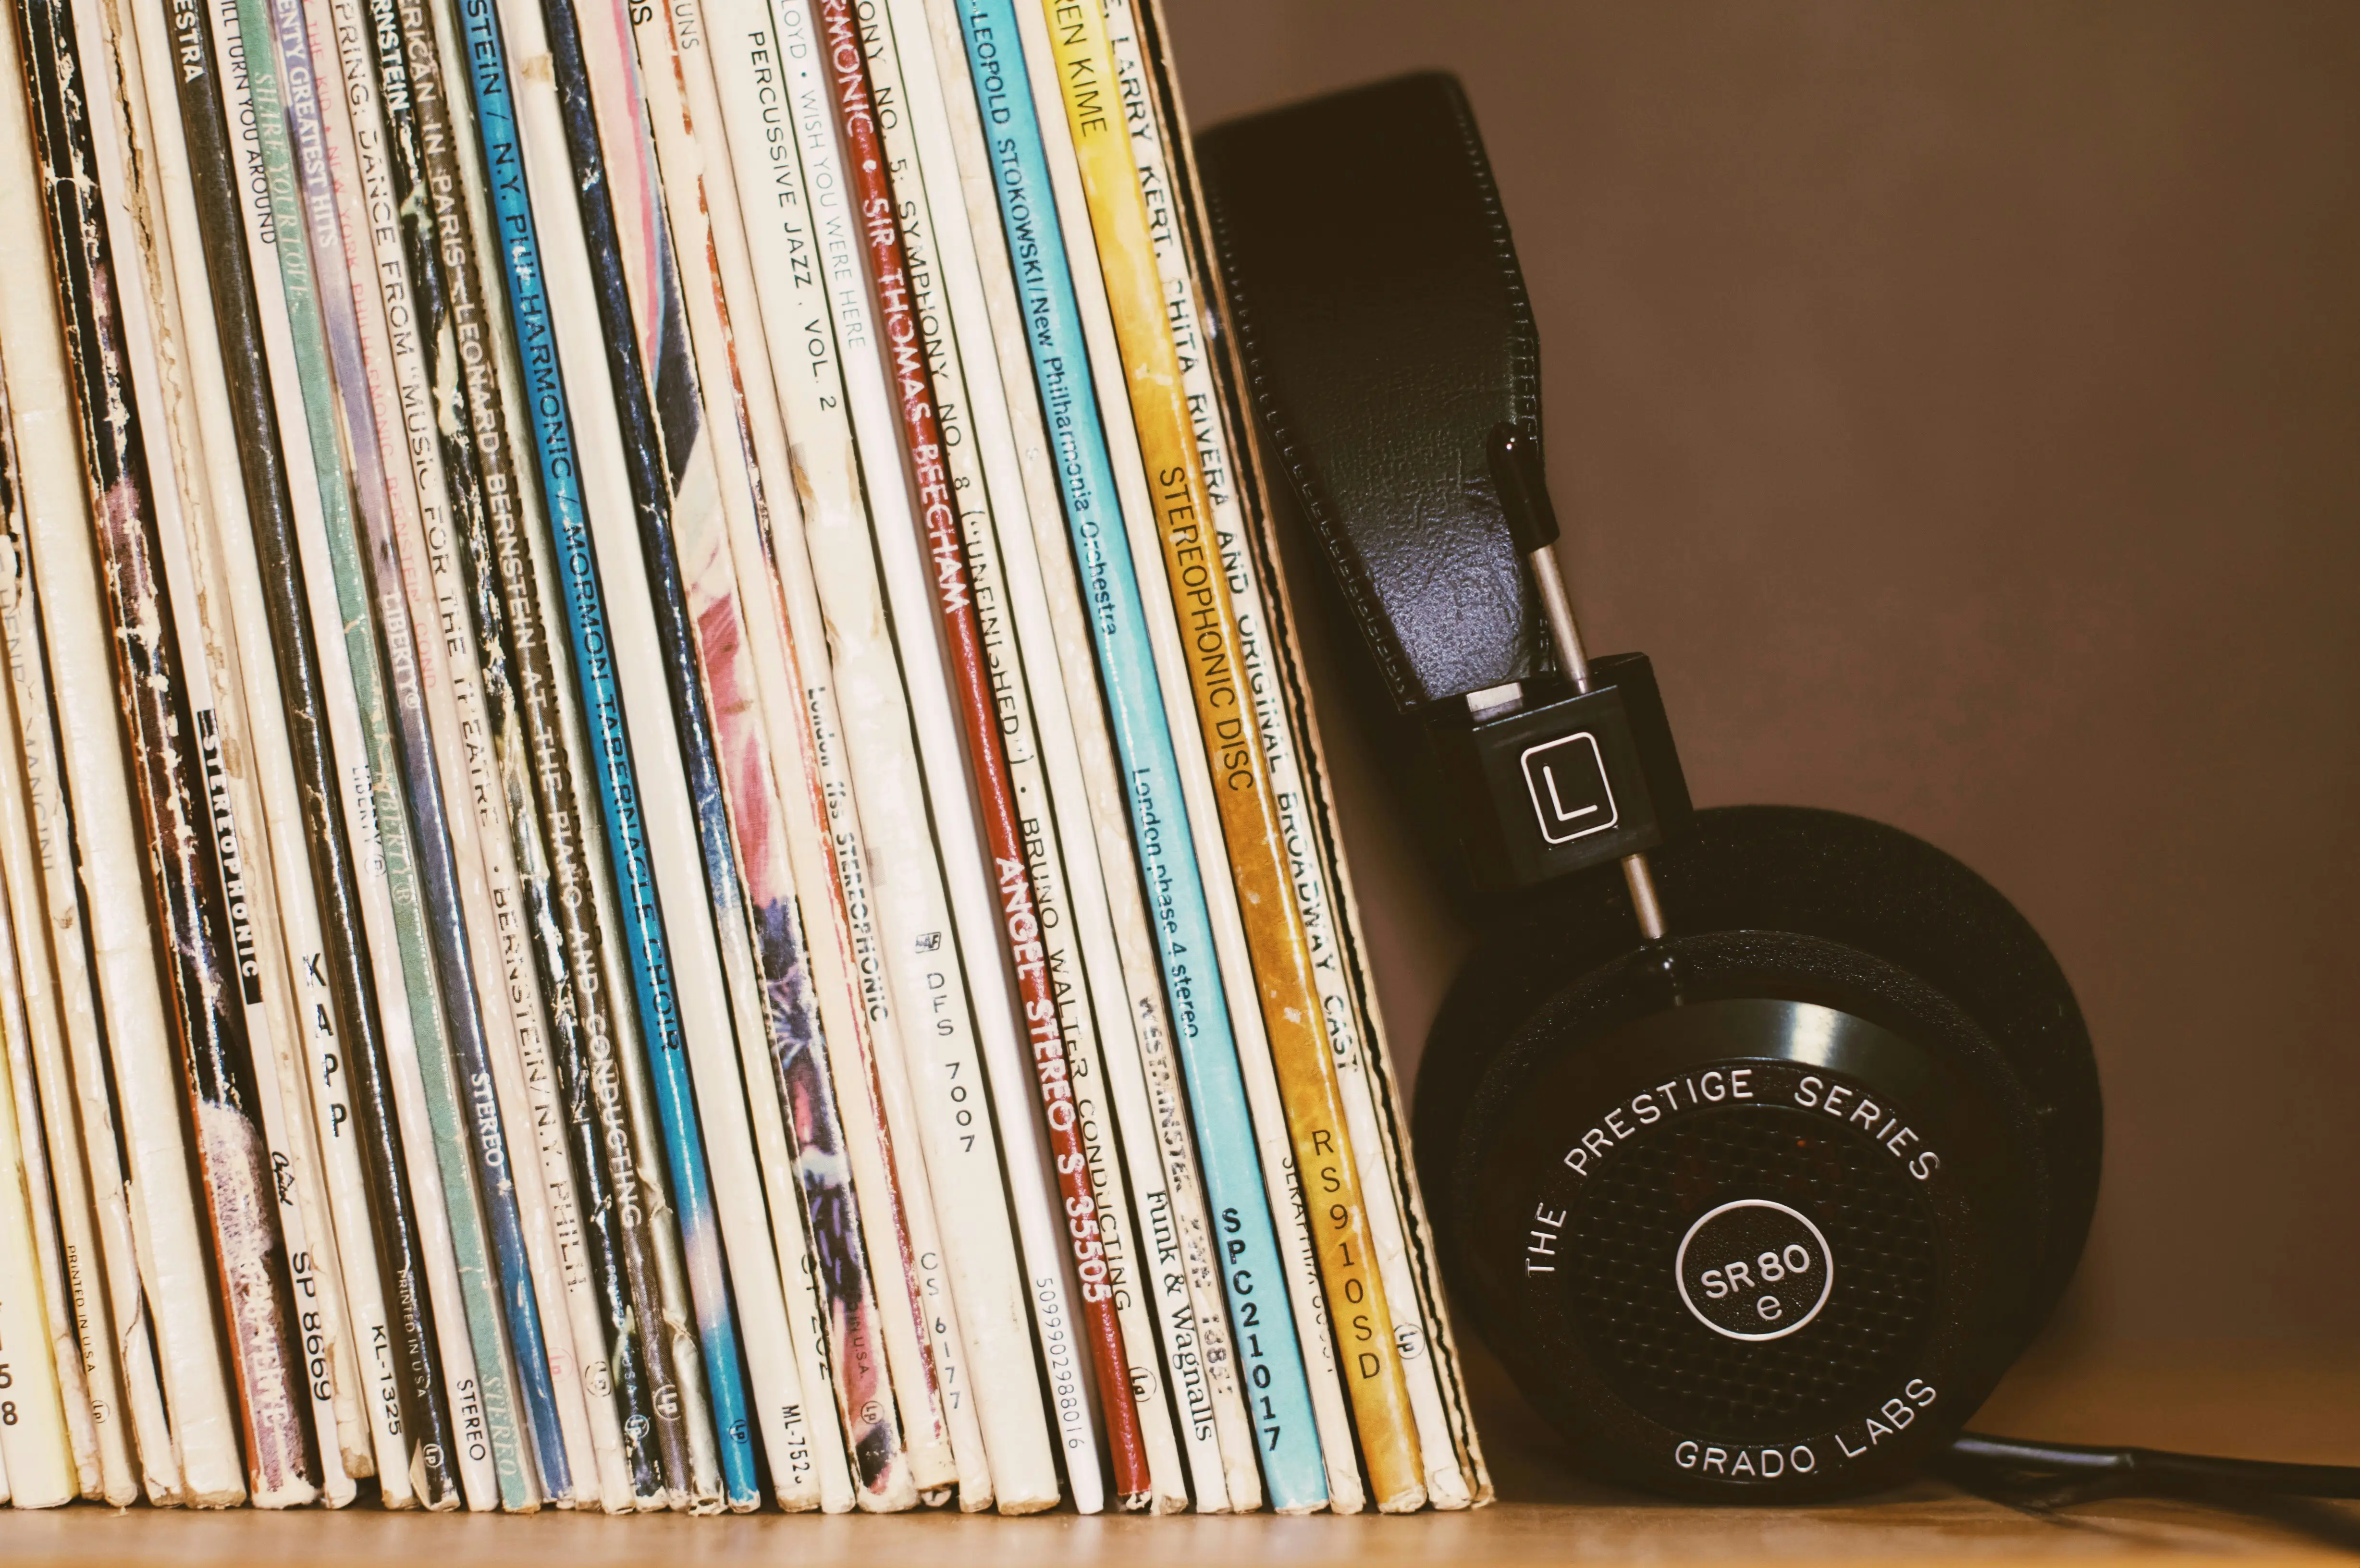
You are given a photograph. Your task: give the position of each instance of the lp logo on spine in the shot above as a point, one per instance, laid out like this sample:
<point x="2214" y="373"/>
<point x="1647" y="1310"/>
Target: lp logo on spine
<point x="1567" y="778"/>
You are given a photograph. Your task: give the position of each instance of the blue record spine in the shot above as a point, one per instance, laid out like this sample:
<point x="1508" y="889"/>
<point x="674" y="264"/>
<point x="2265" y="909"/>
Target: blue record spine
<point x="1253" y="1275"/>
<point x="585" y="617"/>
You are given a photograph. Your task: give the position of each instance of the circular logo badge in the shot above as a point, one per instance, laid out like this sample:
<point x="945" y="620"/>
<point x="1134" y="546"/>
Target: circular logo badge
<point x="1753" y="1270"/>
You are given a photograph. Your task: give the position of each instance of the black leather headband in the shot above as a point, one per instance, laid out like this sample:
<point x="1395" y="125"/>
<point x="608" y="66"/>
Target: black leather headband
<point x="1385" y="331"/>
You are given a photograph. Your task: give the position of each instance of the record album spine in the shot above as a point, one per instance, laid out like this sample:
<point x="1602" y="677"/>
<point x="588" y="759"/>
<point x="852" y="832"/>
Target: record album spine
<point x="101" y="951"/>
<point x="40" y="1332"/>
<point x="1002" y="744"/>
<point x="389" y="770"/>
<point x="1282" y="713"/>
<point x="557" y="322"/>
<point x="105" y="306"/>
<point x="464" y="374"/>
<point x="36" y="1446"/>
<point x="961" y="1362"/>
<point x="1173" y="1239"/>
<point x="1255" y="1278"/>
<point x="976" y="911"/>
<point x="55" y="988"/>
<point x="1369" y="1357"/>
<point x="206" y="502"/>
<point x="834" y="1140"/>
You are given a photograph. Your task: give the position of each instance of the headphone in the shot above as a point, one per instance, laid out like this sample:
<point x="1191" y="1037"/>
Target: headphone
<point x="1759" y="1140"/>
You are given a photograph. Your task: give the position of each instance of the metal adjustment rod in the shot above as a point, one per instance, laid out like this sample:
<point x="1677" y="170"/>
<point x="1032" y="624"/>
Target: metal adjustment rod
<point x="1531" y="520"/>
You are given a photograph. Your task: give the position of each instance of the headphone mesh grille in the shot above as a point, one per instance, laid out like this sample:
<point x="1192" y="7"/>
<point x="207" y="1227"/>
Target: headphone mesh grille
<point x="1624" y="1301"/>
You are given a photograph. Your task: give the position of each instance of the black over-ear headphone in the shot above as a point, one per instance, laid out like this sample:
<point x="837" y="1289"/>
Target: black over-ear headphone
<point x="1759" y="1140"/>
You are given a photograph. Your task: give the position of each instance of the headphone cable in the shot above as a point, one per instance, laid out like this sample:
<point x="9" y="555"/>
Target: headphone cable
<point x="2053" y="1474"/>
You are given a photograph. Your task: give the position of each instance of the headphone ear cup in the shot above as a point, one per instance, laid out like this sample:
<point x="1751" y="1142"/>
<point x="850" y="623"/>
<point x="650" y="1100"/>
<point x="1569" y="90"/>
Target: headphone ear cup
<point x="1841" y="883"/>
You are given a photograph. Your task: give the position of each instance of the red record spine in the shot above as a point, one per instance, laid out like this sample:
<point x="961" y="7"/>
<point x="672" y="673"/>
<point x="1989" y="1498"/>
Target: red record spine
<point x="913" y="384"/>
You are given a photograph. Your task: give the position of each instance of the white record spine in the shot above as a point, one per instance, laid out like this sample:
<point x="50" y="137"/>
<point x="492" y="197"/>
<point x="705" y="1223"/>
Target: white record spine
<point x="1345" y="1491"/>
<point x="62" y="1224"/>
<point x="89" y="1375"/>
<point x="34" y="1442"/>
<point x="56" y="518"/>
<point x="60" y="1346"/>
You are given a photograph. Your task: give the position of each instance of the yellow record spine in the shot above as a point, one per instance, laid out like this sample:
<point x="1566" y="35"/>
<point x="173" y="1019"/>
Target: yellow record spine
<point x="1083" y="61"/>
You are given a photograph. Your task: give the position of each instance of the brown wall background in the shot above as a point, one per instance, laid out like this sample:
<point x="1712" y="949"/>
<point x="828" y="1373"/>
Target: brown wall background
<point x="1961" y="402"/>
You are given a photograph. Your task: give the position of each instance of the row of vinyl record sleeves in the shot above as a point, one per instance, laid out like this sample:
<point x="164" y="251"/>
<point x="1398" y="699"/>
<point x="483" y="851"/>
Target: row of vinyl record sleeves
<point x="663" y="844"/>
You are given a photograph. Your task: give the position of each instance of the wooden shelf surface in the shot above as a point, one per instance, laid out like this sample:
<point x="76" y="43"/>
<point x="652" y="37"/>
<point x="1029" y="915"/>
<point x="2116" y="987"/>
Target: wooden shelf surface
<point x="2266" y="1400"/>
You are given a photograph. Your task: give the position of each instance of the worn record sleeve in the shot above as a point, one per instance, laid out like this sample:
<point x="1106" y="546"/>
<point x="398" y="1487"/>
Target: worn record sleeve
<point x="52" y="528"/>
<point x="847" y="650"/>
<point x="56" y="988"/>
<point x="35" y="1446"/>
<point x="67" y="571"/>
<point x="979" y="458"/>
<point x="466" y="475"/>
<point x="65" y="1230"/>
<point x="981" y="1404"/>
<point x="707" y="1366"/>
<point x="370" y="583"/>
<point x="38" y="1329"/>
<point x="836" y="1141"/>
<point x="368" y="1361"/>
<point x="1204" y="839"/>
<point x="130" y="445"/>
